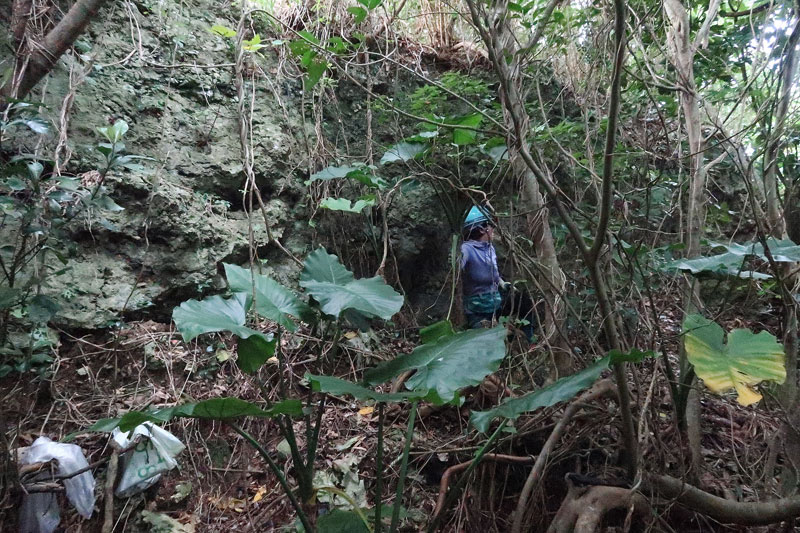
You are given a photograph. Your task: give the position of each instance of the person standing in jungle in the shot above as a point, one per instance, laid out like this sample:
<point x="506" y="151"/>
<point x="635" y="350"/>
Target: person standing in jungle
<point x="481" y="281"/>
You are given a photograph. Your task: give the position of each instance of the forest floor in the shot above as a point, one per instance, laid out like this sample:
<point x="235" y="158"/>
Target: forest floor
<point x="222" y="483"/>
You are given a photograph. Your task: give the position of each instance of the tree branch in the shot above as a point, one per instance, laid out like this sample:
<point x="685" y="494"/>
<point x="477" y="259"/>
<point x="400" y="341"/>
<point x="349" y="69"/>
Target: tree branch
<point x="749" y="12"/>
<point x="58" y="41"/>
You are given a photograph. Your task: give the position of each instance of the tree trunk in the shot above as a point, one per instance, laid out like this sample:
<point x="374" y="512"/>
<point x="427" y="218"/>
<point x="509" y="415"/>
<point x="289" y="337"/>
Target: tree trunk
<point x="775" y="219"/>
<point x="787" y="392"/>
<point x="43" y="57"/>
<point x="538" y="230"/>
<point x="682" y="52"/>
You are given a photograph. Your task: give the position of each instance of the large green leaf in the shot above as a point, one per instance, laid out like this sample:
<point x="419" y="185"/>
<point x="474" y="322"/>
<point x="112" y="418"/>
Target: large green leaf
<point x="435" y="331"/>
<point x="447" y="365"/>
<point x="195" y="317"/>
<point x="403" y="152"/>
<point x="338" y="521"/>
<point x="273" y="300"/>
<point x="343" y="204"/>
<point x="337" y="290"/>
<point x="341" y="387"/>
<point x="359" y="14"/>
<point x="361" y="173"/>
<point x="216" y="409"/>
<point x="321" y="266"/>
<point x="731" y="260"/>
<point x="464" y="137"/>
<point x="560" y="391"/>
<point x="253" y="352"/>
<point x="746" y="360"/>
<point x="331" y="172"/>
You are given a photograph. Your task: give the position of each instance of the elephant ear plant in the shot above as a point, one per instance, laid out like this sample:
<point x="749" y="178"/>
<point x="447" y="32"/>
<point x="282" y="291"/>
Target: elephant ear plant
<point x="443" y="365"/>
<point x="445" y="362"/>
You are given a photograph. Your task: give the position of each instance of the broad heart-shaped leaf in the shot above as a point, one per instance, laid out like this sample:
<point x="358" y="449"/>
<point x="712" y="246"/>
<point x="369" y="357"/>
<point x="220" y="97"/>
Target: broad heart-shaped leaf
<point x="215" y="313"/>
<point x="746" y="360"/>
<point x="343" y="204"/>
<point x="215" y="409"/>
<point x="273" y="300"/>
<point x="338" y="521"/>
<point x="462" y="137"/>
<point x="341" y="387"/>
<point x="330" y="173"/>
<point x="403" y="152"/>
<point x="731" y="260"/>
<point x="447" y="365"/>
<point x="359" y="14"/>
<point x="435" y="331"/>
<point x="322" y="266"/>
<point x="337" y="290"/>
<point x="253" y="352"/>
<point x="562" y="390"/>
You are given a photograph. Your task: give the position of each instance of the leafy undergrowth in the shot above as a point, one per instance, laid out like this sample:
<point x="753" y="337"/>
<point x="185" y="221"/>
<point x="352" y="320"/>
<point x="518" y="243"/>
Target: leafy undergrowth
<point x="222" y="483"/>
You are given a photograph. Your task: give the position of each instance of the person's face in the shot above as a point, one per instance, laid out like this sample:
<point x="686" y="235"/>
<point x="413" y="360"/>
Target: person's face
<point x="490" y="233"/>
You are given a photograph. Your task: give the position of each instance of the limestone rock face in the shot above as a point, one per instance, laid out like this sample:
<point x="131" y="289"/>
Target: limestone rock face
<point x="183" y="214"/>
<point x="162" y="70"/>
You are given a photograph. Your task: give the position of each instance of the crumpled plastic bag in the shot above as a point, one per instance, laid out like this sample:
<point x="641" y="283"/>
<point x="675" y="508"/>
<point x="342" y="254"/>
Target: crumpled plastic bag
<point x="39" y="512"/>
<point x="153" y="455"/>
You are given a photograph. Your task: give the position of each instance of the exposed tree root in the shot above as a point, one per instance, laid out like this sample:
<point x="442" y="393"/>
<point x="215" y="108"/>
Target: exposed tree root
<point x="722" y="510"/>
<point x="601" y="388"/>
<point x="584" y="507"/>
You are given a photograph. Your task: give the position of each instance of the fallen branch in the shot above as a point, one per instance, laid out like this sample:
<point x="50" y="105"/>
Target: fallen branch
<point x="722" y="510"/>
<point x="455" y="469"/>
<point x="111" y="477"/>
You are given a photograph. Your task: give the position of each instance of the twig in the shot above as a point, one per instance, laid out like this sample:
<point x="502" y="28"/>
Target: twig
<point x="455" y="469"/>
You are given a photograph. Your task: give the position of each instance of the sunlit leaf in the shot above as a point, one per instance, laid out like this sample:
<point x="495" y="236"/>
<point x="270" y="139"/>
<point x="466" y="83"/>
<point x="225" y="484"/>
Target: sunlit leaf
<point x="370" y="4"/>
<point x="343" y="204"/>
<point x="222" y="31"/>
<point x="314" y="71"/>
<point x="462" y="136"/>
<point x="215" y="409"/>
<point x="746" y="360"/>
<point x="730" y="262"/>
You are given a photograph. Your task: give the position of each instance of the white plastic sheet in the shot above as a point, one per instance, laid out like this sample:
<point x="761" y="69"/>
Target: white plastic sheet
<point x="39" y="512"/>
<point x="153" y="455"/>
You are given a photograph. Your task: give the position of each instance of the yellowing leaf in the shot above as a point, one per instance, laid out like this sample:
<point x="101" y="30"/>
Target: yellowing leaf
<point x="228" y="504"/>
<point x="350" y="335"/>
<point x="746" y="360"/>
<point x="259" y="495"/>
<point x="366" y="411"/>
